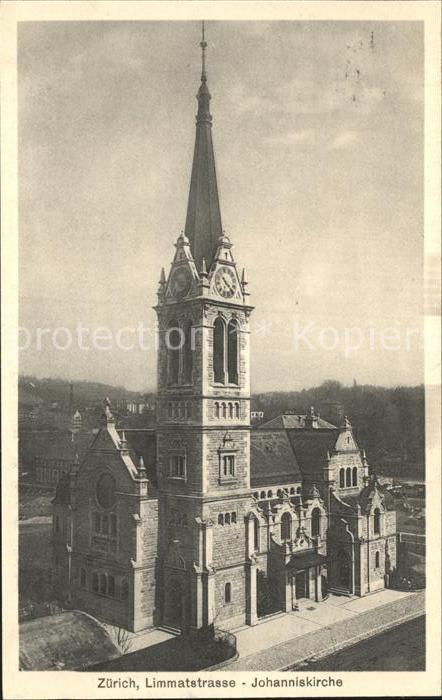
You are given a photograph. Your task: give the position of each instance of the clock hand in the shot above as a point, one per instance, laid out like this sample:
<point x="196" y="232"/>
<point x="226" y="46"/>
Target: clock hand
<point x="229" y="286"/>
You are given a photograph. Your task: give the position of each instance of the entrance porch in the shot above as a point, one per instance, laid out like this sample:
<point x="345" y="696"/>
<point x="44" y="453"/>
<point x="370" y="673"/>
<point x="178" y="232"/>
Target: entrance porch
<point x="303" y="575"/>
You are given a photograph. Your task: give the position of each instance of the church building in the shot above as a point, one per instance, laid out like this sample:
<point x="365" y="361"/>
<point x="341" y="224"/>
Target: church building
<point x="216" y="523"/>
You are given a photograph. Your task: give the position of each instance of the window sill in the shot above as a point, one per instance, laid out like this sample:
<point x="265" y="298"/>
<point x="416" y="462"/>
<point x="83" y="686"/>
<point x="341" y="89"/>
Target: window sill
<point x="177" y="478"/>
<point x="228" y="480"/>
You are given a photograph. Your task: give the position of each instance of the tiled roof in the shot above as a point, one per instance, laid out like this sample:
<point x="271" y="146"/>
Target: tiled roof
<point x="311" y="447"/>
<point x="291" y="421"/>
<point x="56" y="445"/>
<point x="142" y="442"/>
<point x="272" y="460"/>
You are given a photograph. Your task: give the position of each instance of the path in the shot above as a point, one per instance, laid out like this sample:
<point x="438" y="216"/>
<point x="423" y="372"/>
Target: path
<point x="321" y="628"/>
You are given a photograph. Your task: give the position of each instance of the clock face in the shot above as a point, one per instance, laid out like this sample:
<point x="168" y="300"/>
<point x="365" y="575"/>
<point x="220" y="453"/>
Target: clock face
<point x="225" y="282"/>
<point x="180" y="283"/>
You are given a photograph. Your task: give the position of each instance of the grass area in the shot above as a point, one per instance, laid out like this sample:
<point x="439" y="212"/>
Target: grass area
<point x="34" y="503"/>
<point x="35" y="546"/>
<point x="176" y="654"/>
<point x="35" y="562"/>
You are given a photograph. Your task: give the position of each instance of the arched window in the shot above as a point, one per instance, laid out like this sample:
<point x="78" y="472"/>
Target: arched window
<point x="376" y="560"/>
<point x="103" y="584"/>
<point x="217" y="414"/>
<point x="292" y="491"/>
<point x="237" y="410"/>
<point x="218" y="350"/>
<point x="227" y="518"/>
<point x="341" y="478"/>
<point x="355" y="476"/>
<point x="263" y="494"/>
<point x="232" y="351"/>
<point x="348" y="477"/>
<point x="187" y="353"/>
<point x="220" y="519"/>
<point x="377" y="521"/>
<point x="228" y="593"/>
<point x="224" y="407"/>
<point x="256" y="534"/>
<point x="233" y="515"/>
<point x="95" y="585"/>
<point x="173" y="344"/>
<point x="169" y="410"/>
<point x="298" y="490"/>
<point x="286" y="527"/>
<point x="230" y="410"/>
<point x="83" y="578"/>
<point x="124" y="590"/>
<point x="269" y="494"/>
<point x="111" y="586"/>
<point x="316" y="522"/>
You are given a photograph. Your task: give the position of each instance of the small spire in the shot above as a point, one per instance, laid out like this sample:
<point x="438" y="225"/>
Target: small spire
<point x="141" y="468"/>
<point x="203" y="268"/>
<point x="244" y="280"/>
<point x="162" y="276"/>
<point x="109" y="418"/>
<point x="203" y="45"/>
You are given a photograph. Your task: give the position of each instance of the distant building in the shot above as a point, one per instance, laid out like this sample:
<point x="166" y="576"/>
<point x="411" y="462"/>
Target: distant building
<point x="134" y="407"/>
<point x="76" y="422"/>
<point x="256" y="417"/>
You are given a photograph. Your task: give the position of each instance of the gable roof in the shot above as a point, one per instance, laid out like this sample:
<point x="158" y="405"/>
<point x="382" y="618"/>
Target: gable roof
<point x="272" y="460"/>
<point x="290" y="421"/>
<point x="311" y="447"/>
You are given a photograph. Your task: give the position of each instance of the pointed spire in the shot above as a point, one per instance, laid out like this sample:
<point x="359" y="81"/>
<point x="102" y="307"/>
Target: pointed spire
<point x="203" y="45"/>
<point x="203" y="271"/>
<point x="162" y="277"/>
<point x="203" y="220"/>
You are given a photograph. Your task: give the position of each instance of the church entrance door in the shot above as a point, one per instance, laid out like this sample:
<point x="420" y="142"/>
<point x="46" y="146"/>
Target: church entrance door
<point x="343" y="569"/>
<point x="301" y="587"/>
<point x="174" y="603"/>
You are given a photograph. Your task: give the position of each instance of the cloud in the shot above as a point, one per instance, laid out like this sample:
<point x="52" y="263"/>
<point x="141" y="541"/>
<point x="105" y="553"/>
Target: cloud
<point x="344" y="139"/>
<point x="307" y="136"/>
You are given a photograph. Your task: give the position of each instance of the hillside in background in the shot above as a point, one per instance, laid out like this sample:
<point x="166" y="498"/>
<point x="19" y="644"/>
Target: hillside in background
<point x="389" y="423"/>
<point x="85" y="393"/>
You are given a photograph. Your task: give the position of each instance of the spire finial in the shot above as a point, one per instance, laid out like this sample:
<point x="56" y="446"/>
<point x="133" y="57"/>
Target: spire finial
<point x="203" y="45"/>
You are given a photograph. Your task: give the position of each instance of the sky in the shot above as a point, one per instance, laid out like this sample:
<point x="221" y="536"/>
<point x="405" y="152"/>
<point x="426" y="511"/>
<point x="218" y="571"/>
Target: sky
<point x="318" y="136"/>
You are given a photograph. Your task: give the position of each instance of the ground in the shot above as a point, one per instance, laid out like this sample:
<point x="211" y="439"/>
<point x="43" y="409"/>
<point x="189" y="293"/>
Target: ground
<point x="35" y="547"/>
<point x="399" y="649"/>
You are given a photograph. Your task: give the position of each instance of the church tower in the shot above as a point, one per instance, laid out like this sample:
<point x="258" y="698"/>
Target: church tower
<point x="203" y="414"/>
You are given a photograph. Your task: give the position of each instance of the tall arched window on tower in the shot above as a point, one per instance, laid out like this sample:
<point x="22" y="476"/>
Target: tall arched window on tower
<point x="377" y="521"/>
<point x="173" y="343"/>
<point x="187" y="353"/>
<point x="355" y="476"/>
<point x="341" y="478"/>
<point x="316" y="522"/>
<point x="218" y="350"/>
<point x="232" y="351"/>
<point x="348" y="476"/>
<point x="256" y="534"/>
<point x="286" y="527"/>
